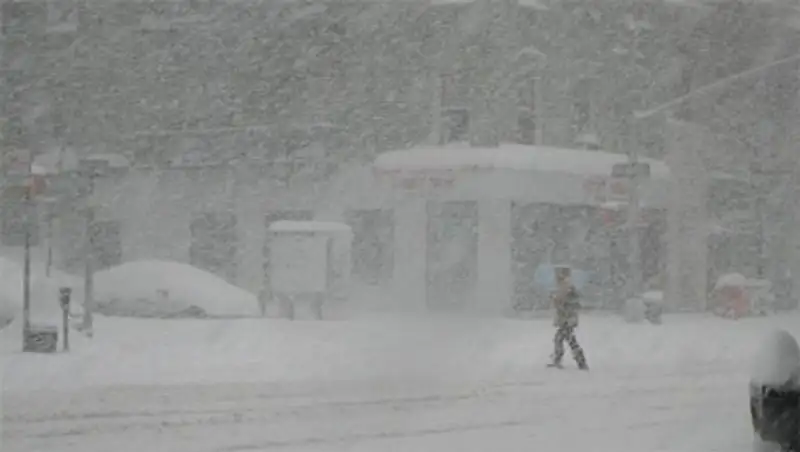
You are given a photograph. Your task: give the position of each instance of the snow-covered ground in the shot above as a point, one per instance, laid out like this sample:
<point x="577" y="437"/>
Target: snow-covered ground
<point x="388" y="383"/>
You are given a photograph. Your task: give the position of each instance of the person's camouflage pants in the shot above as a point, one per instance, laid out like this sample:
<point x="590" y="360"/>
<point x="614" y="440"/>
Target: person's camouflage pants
<point x="567" y="333"/>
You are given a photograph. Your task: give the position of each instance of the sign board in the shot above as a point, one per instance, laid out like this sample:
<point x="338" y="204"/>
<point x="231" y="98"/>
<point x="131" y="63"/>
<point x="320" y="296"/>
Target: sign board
<point x="601" y="190"/>
<point x="299" y="263"/>
<point x="630" y="170"/>
<point x="425" y="181"/>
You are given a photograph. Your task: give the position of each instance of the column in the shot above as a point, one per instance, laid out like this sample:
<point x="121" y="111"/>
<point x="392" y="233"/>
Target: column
<point x="251" y="229"/>
<point x="410" y="253"/>
<point x="494" y="256"/>
<point x="687" y="222"/>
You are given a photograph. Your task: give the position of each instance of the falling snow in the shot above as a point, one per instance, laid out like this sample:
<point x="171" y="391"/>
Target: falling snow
<point x="314" y="225"/>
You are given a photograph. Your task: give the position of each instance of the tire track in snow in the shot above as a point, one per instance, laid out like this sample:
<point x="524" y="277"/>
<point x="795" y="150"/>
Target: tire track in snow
<point x="243" y="412"/>
<point x="164" y="396"/>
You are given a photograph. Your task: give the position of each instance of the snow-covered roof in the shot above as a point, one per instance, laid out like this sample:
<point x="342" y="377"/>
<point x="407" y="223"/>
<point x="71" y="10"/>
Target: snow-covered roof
<point x="512" y="157"/>
<point x="535" y="4"/>
<point x="308" y="226"/>
<point x="731" y="280"/>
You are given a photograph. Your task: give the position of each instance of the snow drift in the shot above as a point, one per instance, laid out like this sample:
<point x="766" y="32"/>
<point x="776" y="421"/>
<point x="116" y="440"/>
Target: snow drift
<point x="152" y="288"/>
<point x="394" y="347"/>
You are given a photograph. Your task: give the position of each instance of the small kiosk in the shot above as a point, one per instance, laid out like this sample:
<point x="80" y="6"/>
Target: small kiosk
<point x="309" y="264"/>
<point x="461" y="216"/>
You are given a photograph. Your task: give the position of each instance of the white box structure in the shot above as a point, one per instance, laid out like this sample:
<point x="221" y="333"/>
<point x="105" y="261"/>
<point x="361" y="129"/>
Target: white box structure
<point x="300" y="263"/>
<point x="310" y="261"/>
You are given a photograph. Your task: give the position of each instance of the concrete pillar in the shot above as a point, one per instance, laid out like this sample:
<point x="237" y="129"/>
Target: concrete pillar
<point x="687" y="222"/>
<point x="410" y="253"/>
<point x="494" y="256"/>
<point x="251" y="230"/>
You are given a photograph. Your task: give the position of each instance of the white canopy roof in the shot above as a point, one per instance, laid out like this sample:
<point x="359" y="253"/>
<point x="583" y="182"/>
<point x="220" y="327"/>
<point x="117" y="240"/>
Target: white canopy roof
<point x="511" y="157"/>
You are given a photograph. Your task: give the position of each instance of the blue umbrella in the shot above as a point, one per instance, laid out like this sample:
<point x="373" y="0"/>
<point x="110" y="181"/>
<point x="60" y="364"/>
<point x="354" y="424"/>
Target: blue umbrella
<point x="544" y="277"/>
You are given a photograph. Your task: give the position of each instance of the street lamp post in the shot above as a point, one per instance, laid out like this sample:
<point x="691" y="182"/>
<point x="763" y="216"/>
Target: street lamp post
<point x="19" y="188"/>
<point x="636" y="171"/>
<point x="26" y="276"/>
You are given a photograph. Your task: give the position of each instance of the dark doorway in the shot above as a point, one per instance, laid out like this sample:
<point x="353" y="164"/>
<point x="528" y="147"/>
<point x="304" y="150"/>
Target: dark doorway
<point x="213" y="245"/>
<point x="373" y="245"/>
<point x="452" y="253"/>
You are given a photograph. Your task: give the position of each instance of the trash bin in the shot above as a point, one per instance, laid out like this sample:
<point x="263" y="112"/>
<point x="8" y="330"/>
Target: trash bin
<point x="775" y="395"/>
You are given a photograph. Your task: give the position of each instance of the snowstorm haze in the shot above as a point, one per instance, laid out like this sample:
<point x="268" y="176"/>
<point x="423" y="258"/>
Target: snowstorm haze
<point x="409" y="225"/>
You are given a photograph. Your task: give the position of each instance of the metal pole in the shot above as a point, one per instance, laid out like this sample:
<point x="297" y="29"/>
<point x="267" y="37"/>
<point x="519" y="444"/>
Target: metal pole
<point x="538" y="111"/>
<point x="756" y="179"/>
<point x="26" y="276"/>
<point x="88" y="274"/>
<point x="65" y="327"/>
<point x="15" y="40"/>
<point x="49" y="246"/>
<point x="634" y="214"/>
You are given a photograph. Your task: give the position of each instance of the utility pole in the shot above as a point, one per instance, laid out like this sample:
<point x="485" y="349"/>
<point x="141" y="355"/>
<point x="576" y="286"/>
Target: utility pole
<point x="16" y="52"/>
<point x="87" y="324"/>
<point x="636" y="170"/>
<point x="26" y="276"/>
<point x="90" y="168"/>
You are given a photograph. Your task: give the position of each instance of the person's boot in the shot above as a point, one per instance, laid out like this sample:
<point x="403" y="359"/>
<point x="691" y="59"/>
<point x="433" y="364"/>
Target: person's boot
<point x="580" y="359"/>
<point x="555" y="360"/>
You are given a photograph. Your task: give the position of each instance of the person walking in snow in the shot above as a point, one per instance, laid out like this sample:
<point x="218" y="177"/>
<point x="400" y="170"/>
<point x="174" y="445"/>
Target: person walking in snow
<point x="566" y="305"/>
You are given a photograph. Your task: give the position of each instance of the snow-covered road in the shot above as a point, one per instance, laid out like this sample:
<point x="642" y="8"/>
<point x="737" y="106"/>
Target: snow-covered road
<point x="393" y="384"/>
<point x="703" y="409"/>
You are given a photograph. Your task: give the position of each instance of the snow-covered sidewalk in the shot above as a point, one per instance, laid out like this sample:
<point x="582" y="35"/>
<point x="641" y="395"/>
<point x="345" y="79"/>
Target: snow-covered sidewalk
<point x="128" y="351"/>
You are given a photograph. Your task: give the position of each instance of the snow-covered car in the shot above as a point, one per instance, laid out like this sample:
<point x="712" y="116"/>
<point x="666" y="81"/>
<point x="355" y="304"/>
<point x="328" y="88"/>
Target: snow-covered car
<point x="775" y="395"/>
